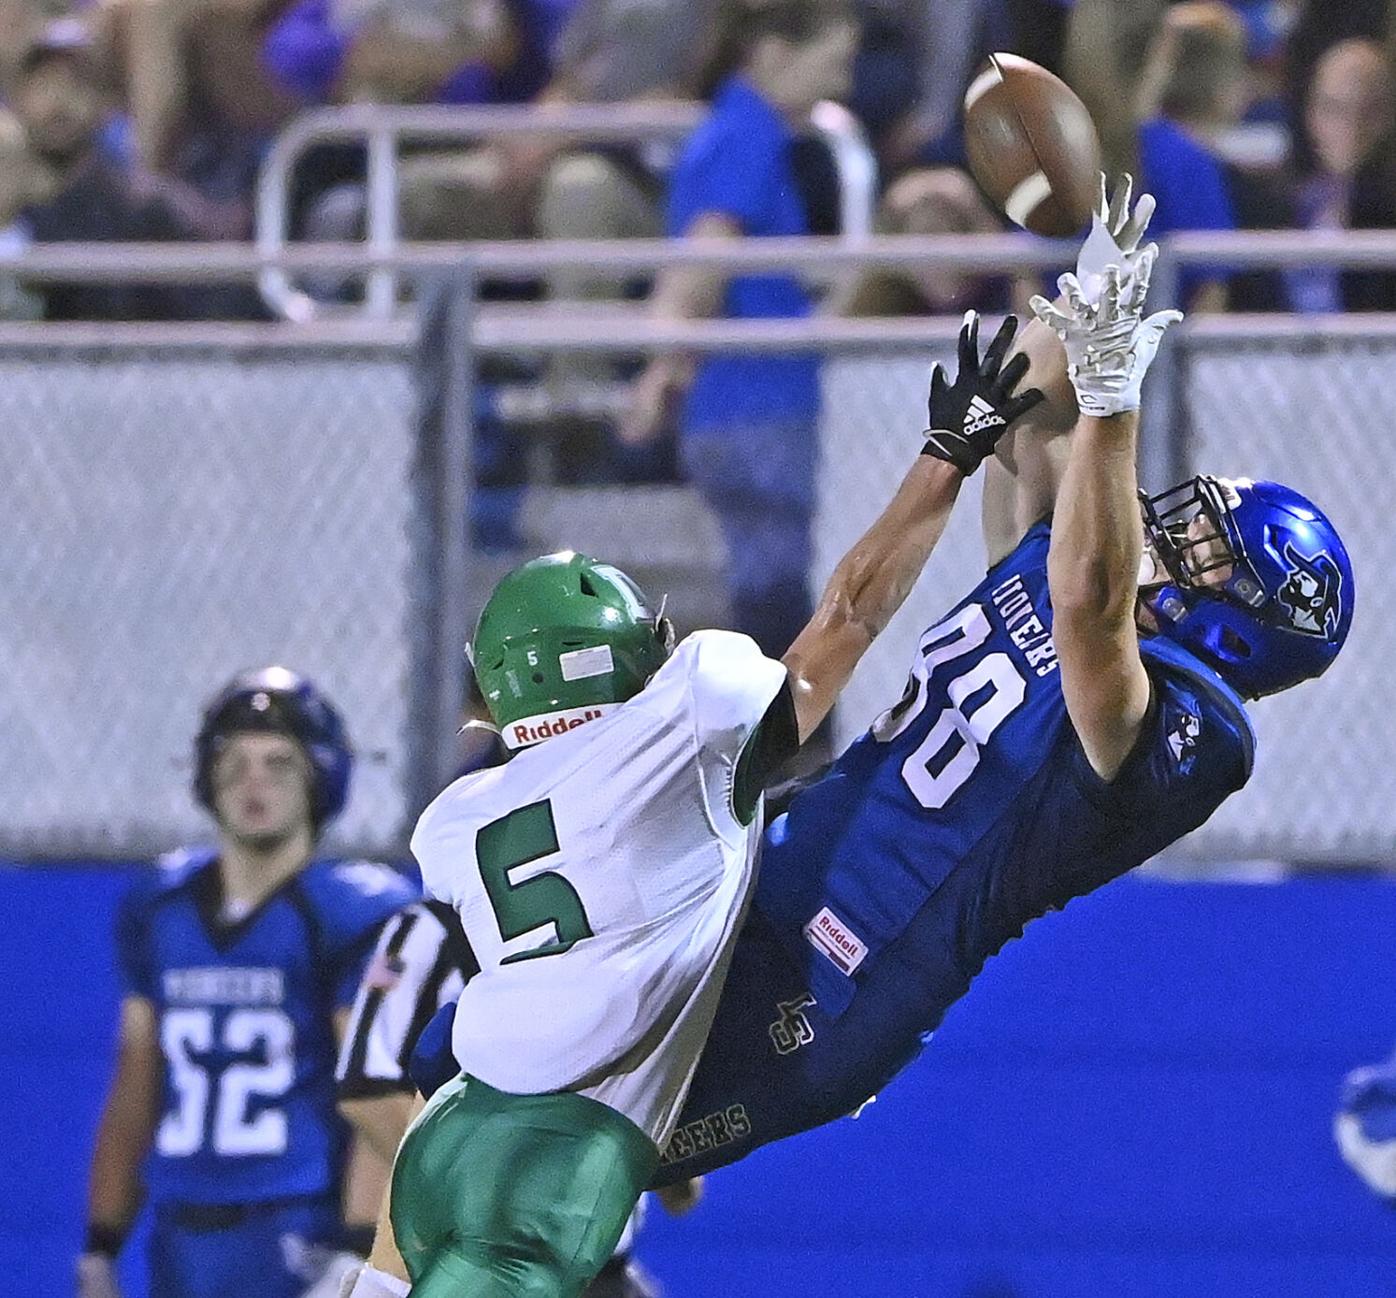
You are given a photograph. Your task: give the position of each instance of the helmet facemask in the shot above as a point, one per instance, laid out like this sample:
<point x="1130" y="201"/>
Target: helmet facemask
<point x="1249" y="576"/>
<point x="1209" y="560"/>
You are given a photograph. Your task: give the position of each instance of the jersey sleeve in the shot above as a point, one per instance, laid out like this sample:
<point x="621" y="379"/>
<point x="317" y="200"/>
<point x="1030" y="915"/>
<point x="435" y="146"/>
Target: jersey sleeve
<point x="421" y="957"/>
<point x="731" y="685"/>
<point x="352" y="901"/>
<point x="133" y="957"/>
<point x="1195" y="750"/>
<point x="728" y="688"/>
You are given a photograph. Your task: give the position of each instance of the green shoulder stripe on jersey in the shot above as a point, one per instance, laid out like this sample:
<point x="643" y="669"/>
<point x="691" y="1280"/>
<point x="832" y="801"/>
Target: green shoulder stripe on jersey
<point x="775" y="740"/>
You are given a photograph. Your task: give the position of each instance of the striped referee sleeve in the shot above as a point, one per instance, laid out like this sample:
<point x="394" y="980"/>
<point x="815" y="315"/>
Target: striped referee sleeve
<point x="421" y="962"/>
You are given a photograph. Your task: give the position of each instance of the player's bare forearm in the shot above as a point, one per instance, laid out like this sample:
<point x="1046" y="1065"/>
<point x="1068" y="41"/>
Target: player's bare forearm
<point x="869" y="585"/>
<point x="384" y="1255"/>
<point x="365" y="1183"/>
<point x="1093" y="575"/>
<point x="380" y="1121"/>
<point x="1097" y="537"/>
<point x="128" y="1122"/>
<point x="1023" y="476"/>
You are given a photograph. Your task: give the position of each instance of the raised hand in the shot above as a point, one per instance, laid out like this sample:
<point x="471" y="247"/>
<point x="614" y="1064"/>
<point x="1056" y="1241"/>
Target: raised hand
<point x="1109" y="347"/>
<point x="1115" y="236"/>
<point x="968" y="416"/>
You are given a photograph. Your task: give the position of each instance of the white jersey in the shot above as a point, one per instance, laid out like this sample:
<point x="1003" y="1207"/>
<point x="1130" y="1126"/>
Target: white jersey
<point x="600" y="878"/>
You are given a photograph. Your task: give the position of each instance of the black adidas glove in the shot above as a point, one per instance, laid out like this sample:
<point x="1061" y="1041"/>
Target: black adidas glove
<point x="971" y="414"/>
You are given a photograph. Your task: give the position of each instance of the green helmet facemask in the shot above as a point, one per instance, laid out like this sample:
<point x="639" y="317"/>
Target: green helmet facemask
<point x="564" y="640"/>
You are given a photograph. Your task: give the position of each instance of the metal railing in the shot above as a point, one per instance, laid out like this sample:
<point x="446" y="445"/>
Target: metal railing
<point x="383" y="129"/>
<point x="203" y="263"/>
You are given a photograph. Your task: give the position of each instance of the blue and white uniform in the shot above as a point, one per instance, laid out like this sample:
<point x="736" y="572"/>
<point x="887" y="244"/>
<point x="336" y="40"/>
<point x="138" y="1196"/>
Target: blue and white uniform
<point x="247" y="1161"/>
<point x="967" y="810"/>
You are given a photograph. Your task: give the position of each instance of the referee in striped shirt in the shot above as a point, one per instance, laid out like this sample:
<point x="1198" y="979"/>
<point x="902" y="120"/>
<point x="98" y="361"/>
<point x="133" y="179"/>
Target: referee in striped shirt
<point x="421" y="963"/>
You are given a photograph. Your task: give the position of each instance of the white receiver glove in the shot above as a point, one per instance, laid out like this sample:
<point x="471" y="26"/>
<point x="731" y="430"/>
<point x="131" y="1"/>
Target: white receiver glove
<point x="340" y="1269"/>
<point x="375" y="1284"/>
<point x="97" y="1277"/>
<point x="1114" y="238"/>
<point x="1109" y="348"/>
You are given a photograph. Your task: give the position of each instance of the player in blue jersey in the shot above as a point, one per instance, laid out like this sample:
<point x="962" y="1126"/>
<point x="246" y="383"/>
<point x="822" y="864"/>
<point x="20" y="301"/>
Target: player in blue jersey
<point x="239" y="966"/>
<point x="1081" y="709"/>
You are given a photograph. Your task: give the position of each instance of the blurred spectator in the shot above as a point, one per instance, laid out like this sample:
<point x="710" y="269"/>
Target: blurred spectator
<point x="1318" y="26"/>
<point x="407" y="52"/>
<point x="748" y="438"/>
<point x="392" y="51"/>
<point x="1107" y="43"/>
<point x="202" y="106"/>
<point x="914" y="61"/>
<point x="1347" y="112"/>
<point x="1194" y="89"/>
<point x="932" y="200"/>
<point x="614" y="51"/>
<point x="72" y="192"/>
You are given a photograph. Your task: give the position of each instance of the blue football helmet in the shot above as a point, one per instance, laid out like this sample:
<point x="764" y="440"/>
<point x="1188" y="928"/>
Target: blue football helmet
<point x="1284" y="610"/>
<point x="277" y="700"/>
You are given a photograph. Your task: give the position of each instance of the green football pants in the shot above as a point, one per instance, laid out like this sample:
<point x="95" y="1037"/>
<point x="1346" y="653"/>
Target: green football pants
<point x="514" y="1196"/>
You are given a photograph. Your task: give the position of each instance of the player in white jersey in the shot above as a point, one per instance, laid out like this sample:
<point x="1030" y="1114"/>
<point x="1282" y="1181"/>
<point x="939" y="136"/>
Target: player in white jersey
<point x="421" y="963"/>
<point x="601" y="874"/>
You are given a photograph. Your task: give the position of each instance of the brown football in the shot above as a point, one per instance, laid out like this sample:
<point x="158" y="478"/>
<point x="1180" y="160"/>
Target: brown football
<point x="1032" y="145"/>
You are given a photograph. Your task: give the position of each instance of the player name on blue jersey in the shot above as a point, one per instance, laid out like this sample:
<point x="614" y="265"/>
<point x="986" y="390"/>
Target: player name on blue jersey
<point x="218" y="986"/>
<point x="1025" y="628"/>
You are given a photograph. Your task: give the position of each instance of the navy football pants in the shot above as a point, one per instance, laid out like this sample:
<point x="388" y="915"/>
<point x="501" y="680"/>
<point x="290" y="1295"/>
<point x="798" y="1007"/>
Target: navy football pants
<point x="274" y="1250"/>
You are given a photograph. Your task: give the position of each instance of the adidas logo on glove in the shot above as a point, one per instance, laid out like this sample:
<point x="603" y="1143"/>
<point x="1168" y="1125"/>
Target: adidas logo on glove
<point x="981" y="416"/>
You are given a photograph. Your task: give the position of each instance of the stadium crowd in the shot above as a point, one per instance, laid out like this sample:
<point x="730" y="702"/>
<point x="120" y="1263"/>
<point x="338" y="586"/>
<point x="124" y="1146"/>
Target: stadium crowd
<point x="146" y="119"/>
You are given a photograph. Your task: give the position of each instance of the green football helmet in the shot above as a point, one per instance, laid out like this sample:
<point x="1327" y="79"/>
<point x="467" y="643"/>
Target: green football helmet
<point x="564" y="640"/>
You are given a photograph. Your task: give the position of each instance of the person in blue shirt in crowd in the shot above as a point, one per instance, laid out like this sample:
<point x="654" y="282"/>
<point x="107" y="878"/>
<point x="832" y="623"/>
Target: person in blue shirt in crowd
<point x="239" y="966"/>
<point x="1194" y="88"/>
<point x="748" y="436"/>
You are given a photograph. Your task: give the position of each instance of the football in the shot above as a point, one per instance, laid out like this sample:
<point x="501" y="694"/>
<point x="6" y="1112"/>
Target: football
<point x="1031" y="145"/>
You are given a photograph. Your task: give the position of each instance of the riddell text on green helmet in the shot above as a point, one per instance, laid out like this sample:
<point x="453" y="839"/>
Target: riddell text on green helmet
<point x="562" y="641"/>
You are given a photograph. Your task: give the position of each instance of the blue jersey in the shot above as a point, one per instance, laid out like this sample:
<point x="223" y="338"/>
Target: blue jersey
<point x="245" y="1015"/>
<point x="975" y="782"/>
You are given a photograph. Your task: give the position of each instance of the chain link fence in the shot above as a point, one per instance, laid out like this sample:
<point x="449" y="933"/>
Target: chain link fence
<point x="1300" y="407"/>
<point x="176" y="513"/>
<point x="1274" y="404"/>
<point x="179" y="510"/>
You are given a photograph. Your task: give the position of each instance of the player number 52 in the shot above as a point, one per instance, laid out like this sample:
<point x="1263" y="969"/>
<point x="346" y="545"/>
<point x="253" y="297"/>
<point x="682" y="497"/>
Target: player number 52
<point x="240" y="1126"/>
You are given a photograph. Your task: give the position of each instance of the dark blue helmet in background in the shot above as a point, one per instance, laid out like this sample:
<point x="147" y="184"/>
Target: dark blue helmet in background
<point x="278" y="701"/>
<point x="1284" y="609"/>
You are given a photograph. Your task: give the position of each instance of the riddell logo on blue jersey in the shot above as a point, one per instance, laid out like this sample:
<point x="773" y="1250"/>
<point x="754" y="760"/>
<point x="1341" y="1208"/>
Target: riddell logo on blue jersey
<point x="830" y="936"/>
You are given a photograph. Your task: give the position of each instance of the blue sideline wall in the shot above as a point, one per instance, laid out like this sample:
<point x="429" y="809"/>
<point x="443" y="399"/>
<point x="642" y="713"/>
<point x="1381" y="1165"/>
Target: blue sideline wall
<point x="1134" y="1101"/>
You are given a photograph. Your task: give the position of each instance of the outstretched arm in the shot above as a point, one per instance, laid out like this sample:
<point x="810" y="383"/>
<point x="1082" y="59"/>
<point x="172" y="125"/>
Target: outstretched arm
<point x="875" y="576"/>
<point x="1097" y="534"/>
<point x="1024" y="478"/>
